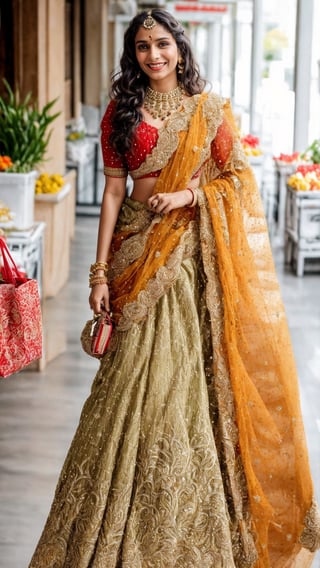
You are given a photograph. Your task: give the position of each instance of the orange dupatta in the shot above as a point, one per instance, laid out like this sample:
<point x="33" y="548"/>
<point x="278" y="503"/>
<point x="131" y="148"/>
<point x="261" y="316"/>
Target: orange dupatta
<point x="262" y="370"/>
<point x="255" y="345"/>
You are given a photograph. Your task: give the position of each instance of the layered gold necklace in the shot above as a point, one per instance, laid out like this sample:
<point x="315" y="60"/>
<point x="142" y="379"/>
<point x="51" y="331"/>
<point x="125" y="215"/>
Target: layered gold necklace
<point x="161" y="105"/>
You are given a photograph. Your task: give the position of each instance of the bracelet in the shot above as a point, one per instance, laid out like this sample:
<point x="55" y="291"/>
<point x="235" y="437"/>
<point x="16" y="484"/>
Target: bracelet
<point x="99" y="265"/>
<point x="93" y="280"/>
<point x="193" y="202"/>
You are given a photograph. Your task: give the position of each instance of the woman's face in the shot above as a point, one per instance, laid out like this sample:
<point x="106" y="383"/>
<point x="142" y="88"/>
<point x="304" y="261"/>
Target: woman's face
<point x="157" y="54"/>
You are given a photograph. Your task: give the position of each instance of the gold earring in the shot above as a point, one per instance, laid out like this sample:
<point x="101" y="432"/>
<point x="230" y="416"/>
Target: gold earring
<point x="138" y="75"/>
<point x="180" y="66"/>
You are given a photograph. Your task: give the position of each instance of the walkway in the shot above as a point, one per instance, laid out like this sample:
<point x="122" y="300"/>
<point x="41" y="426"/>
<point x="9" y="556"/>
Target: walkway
<point x="39" y="411"/>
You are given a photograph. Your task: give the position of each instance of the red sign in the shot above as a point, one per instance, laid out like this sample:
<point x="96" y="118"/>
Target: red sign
<point x="197" y="7"/>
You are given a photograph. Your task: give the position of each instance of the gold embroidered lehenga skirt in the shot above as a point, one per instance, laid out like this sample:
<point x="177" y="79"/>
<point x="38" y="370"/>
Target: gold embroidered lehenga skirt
<point x="190" y="451"/>
<point x="147" y="482"/>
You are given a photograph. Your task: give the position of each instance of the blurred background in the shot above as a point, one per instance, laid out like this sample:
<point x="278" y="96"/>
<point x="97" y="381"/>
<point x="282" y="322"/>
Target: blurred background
<point x="262" y="54"/>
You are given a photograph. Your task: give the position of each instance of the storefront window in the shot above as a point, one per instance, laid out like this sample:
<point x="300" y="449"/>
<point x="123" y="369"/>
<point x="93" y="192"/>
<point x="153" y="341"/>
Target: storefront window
<point x="221" y="38"/>
<point x="208" y="26"/>
<point x="314" y="124"/>
<point x="277" y="94"/>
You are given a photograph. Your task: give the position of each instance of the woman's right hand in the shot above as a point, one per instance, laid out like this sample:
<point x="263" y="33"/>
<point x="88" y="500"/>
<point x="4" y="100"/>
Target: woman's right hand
<point x="99" y="298"/>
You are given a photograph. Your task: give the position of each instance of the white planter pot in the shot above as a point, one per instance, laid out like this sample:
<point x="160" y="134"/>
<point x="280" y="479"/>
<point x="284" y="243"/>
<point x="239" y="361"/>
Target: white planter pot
<point x="17" y="193"/>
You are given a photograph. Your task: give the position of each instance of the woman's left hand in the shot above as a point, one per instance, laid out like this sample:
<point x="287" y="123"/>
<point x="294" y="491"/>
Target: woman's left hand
<point x="162" y="203"/>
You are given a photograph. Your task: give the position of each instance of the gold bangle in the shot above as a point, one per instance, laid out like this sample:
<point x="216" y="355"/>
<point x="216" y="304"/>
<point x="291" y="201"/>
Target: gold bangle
<point x="97" y="276"/>
<point x="99" y="265"/>
<point x="93" y="280"/>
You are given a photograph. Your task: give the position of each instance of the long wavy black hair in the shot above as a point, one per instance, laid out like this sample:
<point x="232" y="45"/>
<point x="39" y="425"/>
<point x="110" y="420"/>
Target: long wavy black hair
<point x="128" y="85"/>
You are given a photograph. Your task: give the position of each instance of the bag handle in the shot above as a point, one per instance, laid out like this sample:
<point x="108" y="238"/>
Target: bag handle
<point x="9" y="270"/>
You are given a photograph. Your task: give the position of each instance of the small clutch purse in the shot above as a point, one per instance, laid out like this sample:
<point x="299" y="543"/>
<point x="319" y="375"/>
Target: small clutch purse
<point x="96" y="335"/>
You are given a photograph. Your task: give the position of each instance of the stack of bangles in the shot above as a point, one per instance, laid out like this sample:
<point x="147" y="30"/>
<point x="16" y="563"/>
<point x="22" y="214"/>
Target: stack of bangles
<point x="194" y="197"/>
<point x="95" y="278"/>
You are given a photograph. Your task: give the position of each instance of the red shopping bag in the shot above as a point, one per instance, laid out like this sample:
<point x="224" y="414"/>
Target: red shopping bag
<point x="20" y="317"/>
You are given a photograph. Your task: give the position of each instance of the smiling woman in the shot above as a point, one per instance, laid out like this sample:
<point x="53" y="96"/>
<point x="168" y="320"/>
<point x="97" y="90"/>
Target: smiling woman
<point x="190" y="450"/>
<point x="157" y="54"/>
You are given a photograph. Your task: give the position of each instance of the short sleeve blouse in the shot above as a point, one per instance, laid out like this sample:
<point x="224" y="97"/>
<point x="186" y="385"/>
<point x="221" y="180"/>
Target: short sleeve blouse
<point x="144" y="140"/>
<point x="114" y="164"/>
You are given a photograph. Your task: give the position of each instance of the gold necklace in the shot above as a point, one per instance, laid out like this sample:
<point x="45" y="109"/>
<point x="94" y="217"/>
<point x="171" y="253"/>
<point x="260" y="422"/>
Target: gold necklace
<point x="161" y="105"/>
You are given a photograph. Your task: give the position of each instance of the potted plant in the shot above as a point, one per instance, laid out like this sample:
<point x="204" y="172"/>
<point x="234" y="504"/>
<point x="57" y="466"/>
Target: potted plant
<point x="24" y="139"/>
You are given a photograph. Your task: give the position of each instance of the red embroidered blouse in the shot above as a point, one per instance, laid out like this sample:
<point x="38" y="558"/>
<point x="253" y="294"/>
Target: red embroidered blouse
<point x="146" y="137"/>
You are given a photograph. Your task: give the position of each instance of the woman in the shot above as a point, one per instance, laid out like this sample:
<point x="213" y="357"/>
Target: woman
<point x="190" y="451"/>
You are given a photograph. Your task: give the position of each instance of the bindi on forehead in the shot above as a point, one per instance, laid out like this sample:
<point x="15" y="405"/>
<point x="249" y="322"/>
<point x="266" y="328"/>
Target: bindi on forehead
<point x="157" y="33"/>
<point x="150" y="38"/>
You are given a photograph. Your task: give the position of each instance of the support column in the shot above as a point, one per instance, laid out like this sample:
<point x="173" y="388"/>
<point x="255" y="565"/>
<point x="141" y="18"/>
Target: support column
<point x="25" y="19"/>
<point x="39" y="65"/>
<point x="96" y="80"/>
<point x="256" y="63"/>
<point x="52" y="67"/>
<point x="302" y="80"/>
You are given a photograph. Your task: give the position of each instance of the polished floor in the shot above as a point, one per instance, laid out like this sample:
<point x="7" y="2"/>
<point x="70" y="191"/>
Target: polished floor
<point x="39" y="411"/>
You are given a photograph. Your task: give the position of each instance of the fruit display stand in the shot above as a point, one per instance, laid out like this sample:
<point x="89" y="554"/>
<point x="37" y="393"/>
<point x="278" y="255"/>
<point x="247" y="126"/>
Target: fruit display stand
<point x="302" y="229"/>
<point x="54" y="210"/>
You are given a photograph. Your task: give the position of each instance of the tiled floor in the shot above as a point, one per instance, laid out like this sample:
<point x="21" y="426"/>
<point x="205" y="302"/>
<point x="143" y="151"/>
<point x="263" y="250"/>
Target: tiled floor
<point x="39" y="411"/>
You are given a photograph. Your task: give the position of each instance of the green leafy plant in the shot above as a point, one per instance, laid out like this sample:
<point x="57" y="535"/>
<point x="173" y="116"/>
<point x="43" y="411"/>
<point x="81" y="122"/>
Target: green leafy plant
<point x="24" y="132"/>
<point x="312" y="153"/>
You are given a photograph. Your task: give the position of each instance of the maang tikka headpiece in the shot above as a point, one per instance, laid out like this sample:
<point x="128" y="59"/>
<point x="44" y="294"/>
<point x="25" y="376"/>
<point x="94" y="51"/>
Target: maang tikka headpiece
<point x="149" y="22"/>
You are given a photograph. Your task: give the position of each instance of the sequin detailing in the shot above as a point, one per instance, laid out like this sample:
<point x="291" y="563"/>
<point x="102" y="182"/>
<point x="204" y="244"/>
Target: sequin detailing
<point x="141" y="486"/>
<point x="152" y="147"/>
<point x="190" y="451"/>
<point x="145" y="138"/>
<point x="159" y="285"/>
<point x="310" y="537"/>
<point x="222" y="403"/>
<point x="169" y="135"/>
<point x="115" y="172"/>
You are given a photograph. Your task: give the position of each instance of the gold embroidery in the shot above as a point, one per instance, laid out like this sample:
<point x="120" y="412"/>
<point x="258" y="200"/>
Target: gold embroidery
<point x="163" y="280"/>
<point x="238" y="158"/>
<point x="168" y="138"/>
<point x="310" y="537"/>
<point x="154" y="479"/>
<point x="115" y="172"/>
<point x="141" y="486"/>
<point x="134" y="217"/>
<point x="164" y="544"/>
<point x="222" y="403"/>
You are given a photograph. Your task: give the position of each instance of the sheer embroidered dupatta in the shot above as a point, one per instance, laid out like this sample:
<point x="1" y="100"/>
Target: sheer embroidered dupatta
<point x="165" y="232"/>
<point x="251" y="343"/>
<point x="257" y="349"/>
